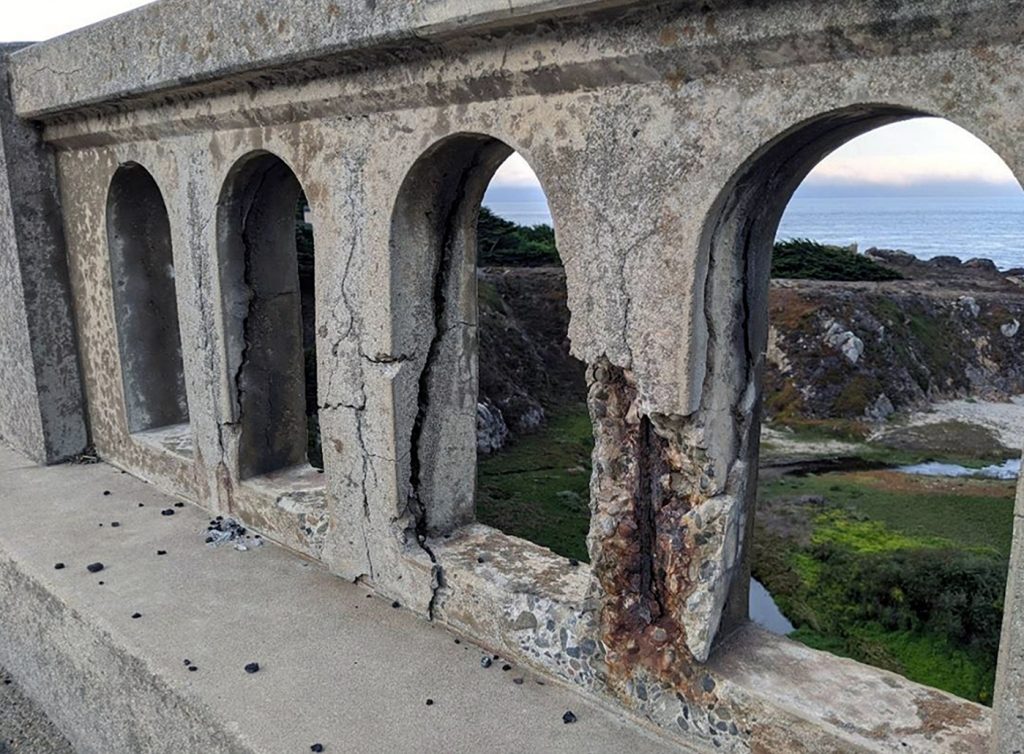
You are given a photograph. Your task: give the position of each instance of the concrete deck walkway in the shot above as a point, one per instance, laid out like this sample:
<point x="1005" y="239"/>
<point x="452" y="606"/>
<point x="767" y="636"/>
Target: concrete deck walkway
<point x="337" y="666"/>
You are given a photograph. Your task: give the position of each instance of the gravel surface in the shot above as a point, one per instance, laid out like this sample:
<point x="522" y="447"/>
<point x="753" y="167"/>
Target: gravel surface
<point x="24" y="729"/>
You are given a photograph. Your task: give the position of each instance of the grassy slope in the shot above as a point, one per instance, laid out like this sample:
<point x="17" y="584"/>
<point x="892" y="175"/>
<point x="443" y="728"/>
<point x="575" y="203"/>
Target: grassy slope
<point x="539" y="488"/>
<point x="886" y="514"/>
<point x="968" y="512"/>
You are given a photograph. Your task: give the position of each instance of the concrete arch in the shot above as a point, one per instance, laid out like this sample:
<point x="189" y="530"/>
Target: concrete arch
<point x="145" y="304"/>
<point x="735" y="248"/>
<point x="433" y="279"/>
<point x="262" y="312"/>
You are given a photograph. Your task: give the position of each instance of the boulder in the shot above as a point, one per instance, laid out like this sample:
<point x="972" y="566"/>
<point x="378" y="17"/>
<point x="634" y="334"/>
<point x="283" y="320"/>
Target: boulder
<point x="491" y="430"/>
<point x="981" y="263"/>
<point x="890" y="256"/>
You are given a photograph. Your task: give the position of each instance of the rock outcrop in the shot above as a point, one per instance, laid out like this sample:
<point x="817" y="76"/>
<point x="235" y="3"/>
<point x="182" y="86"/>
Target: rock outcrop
<point x="848" y="350"/>
<point x="950" y="329"/>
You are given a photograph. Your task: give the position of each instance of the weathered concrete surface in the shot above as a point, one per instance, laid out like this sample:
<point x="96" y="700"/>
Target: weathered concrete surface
<point x="1008" y="731"/>
<point x="24" y="729"/>
<point x="222" y="43"/>
<point x="335" y="667"/>
<point x="667" y="137"/>
<point x="41" y="409"/>
<point x="809" y="705"/>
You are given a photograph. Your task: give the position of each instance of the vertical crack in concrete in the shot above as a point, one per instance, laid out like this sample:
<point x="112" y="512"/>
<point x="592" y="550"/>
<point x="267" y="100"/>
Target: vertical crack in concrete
<point x="446" y="266"/>
<point x="248" y="248"/>
<point x="363" y="482"/>
<point x="648" y="503"/>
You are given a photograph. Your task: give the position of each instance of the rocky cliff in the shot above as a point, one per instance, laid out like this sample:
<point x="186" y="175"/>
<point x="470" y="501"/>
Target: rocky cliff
<point x="836" y="350"/>
<point x="864" y="350"/>
<point x="526" y="372"/>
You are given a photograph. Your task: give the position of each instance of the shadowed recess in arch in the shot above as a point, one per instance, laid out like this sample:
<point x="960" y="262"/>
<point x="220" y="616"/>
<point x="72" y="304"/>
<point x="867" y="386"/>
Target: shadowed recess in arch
<point x="145" y="305"/>
<point x="265" y="240"/>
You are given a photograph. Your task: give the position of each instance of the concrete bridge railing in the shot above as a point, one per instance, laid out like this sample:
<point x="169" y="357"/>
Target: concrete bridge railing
<point x="151" y="167"/>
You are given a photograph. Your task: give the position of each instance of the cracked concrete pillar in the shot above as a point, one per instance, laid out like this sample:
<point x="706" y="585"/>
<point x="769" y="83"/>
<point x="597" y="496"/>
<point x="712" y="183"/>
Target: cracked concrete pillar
<point x="41" y="405"/>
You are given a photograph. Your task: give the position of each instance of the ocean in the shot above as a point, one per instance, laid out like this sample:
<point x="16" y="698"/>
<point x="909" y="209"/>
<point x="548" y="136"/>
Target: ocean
<point x="965" y="227"/>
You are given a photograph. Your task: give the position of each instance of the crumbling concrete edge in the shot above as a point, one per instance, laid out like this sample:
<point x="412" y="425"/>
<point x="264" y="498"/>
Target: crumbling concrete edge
<point x="96" y="691"/>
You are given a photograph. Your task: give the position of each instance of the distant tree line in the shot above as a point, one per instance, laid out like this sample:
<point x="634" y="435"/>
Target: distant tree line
<point x="503" y="243"/>
<point x="810" y="260"/>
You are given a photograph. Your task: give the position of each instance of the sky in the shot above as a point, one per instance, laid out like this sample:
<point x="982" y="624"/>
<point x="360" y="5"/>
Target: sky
<point x="924" y="156"/>
<point x="919" y="157"/>
<point x="34" y="21"/>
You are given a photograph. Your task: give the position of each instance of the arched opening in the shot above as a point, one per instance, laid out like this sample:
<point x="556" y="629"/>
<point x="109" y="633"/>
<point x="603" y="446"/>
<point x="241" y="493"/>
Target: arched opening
<point x="145" y="303"/>
<point x="266" y="265"/>
<point x="873" y="361"/>
<point x="534" y="435"/>
<point x="495" y="386"/>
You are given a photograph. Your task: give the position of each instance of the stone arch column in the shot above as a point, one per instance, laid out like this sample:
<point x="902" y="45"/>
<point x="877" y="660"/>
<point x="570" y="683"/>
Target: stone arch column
<point x="433" y="278"/>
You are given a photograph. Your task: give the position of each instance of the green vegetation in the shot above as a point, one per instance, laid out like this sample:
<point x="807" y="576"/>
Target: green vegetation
<point x="503" y="243"/>
<point x="538" y="488"/>
<point x="970" y="513"/>
<point x="806" y="259"/>
<point x="906" y="573"/>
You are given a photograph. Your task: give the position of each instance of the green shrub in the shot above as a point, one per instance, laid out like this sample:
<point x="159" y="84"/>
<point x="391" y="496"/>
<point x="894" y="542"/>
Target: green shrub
<point x="810" y="260"/>
<point x="503" y="243"/>
<point x="951" y="593"/>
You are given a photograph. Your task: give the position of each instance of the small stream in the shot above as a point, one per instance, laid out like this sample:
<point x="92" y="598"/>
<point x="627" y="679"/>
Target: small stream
<point x="1008" y="469"/>
<point x="764" y="612"/>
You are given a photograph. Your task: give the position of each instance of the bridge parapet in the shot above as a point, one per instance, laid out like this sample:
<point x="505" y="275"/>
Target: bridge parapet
<point x="668" y="138"/>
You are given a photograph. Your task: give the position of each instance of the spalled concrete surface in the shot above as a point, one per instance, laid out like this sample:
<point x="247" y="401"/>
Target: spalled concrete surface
<point x="337" y="666"/>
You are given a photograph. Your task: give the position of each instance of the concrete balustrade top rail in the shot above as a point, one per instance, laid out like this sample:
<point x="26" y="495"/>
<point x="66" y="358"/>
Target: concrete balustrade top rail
<point x="149" y="50"/>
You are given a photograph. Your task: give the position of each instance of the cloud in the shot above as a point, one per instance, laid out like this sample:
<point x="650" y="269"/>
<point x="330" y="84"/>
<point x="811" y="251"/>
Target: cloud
<point x="923" y="153"/>
<point x="909" y="170"/>
<point x="911" y="153"/>
<point x="515" y="171"/>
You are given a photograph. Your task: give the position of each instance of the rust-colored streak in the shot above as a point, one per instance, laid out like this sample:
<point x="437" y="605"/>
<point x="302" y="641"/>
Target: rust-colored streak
<point x="639" y="549"/>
